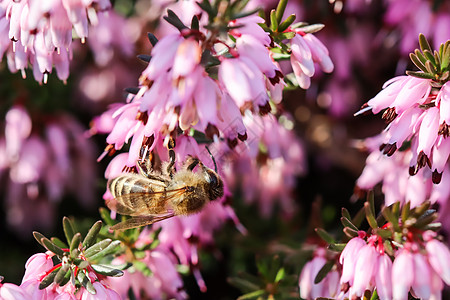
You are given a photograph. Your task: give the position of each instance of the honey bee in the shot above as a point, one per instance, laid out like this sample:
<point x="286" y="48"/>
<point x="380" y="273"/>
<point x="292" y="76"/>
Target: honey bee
<point x="149" y="197"/>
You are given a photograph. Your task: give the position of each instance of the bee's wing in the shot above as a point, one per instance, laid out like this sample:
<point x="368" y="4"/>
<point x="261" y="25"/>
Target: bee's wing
<point x="145" y="203"/>
<point x="140" y="221"/>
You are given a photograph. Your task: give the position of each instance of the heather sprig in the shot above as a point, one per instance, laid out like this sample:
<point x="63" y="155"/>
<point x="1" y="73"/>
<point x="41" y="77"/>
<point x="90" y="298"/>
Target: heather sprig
<point x="391" y="256"/>
<point x="80" y="261"/>
<point x="434" y="64"/>
<point x="417" y="109"/>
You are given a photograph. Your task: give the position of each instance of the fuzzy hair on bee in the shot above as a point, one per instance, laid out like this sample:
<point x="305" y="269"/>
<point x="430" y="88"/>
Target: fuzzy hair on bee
<point x="149" y="196"/>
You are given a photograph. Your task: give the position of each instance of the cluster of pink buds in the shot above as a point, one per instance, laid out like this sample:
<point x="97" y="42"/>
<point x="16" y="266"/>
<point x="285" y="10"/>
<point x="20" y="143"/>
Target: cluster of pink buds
<point x="208" y="84"/>
<point x="420" y="267"/>
<point x="400" y="254"/>
<point x="418" y="111"/>
<point x="397" y="185"/>
<point x="40" y="265"/>
<point x="41" y="33"/>
<point x="199" y="81"/>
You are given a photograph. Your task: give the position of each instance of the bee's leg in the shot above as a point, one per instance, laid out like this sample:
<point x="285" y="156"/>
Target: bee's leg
<point x="170" y="167"/>
<point x="191" y="163"/>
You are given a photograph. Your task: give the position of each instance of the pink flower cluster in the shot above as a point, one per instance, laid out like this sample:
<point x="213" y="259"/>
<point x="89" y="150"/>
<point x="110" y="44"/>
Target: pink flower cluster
<point x="397" y="183"/>
<point x="176" y="92"/>
<point x="40" y="168"/>
<point x="37" y="267"/>
<point x="307" y="50"/>
<point x="418" y="113"/>
<point x="420" y="267"/>
<point x="41" y="33"/>
<point x="180" y="94"/>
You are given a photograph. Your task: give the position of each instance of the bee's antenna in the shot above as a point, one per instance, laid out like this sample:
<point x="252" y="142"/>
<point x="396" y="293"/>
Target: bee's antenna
<point x="212" y="157"/>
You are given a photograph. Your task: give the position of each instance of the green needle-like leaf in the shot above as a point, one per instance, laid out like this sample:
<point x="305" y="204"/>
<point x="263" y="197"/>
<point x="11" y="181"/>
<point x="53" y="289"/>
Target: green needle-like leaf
<point x="323" y="272"/>
<point x="420" y="56"/>
<point x="66" y="278"/>
<point x="91" y="236"/>
<point x="299" y="24"/>
<point x="74" y="245"/>
<point x="52" y="247"/>
<point x="68" y="229"/>
<point x="253" y="295"/>
<point x="445" y="57"/>
<point x="436" y="226"/>
<point x="281" y="7"/>
<point x="359" y="217"/>
<point x="405" y="211"/>
<point x="423" y="42"/>
<point x="417" y="62"/>
<point x="426" y="218"/>
<point x="286" y="23"/>
<point x="97" y="247"/>
<point x="371" y="200"/>
<point x="351" y="233"/>
<point x="48" y="279"/>
<point x="84" y="280"/>
<point x="61" y="274"/>
<point x="325" y="236"/>
<point x="273" y="20"/>
<point x="312" y="28"/>
<point x="420" y="210"/>
<point x="280" y="275"/>
<point x="345" y="213"/>
<point x="388" y="248"/>
<point x="106" y="216"/>
<point x="245" y="13"/>
<point x="420" y="75"/>
<point x="337" y="247"/>
<point x="438" y="60"/>
<point x="58" y="242"/>
<point x="387" y="213"/>
<point x="80" y="263"/>
<point x="370" y="216"/>
<point x="39" y="236"/>
<point x="431" y="68"/>
<point x="111" y="248"/>
<point x="286" y="35"/>
<point x="384" y="233"/>
<point x="243" y="284"/>
<point x="374" y="295"/>
<point x="347" y="223"/>
<point x="107" y="270"/>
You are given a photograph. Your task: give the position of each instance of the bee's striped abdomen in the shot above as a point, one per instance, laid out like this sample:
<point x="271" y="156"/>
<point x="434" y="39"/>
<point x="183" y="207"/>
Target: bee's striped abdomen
<point x="136" y="195"/>
<point x="126" y="184"/>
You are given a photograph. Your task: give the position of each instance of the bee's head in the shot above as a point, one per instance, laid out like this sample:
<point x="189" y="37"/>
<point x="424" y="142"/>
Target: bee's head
<point x="215" y="184"/>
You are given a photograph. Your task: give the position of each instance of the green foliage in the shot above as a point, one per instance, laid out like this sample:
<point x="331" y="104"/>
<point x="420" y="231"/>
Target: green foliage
<point x="434" y="65"/>
<point x="74" y="263"/>
<point x="272" y="282"/>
